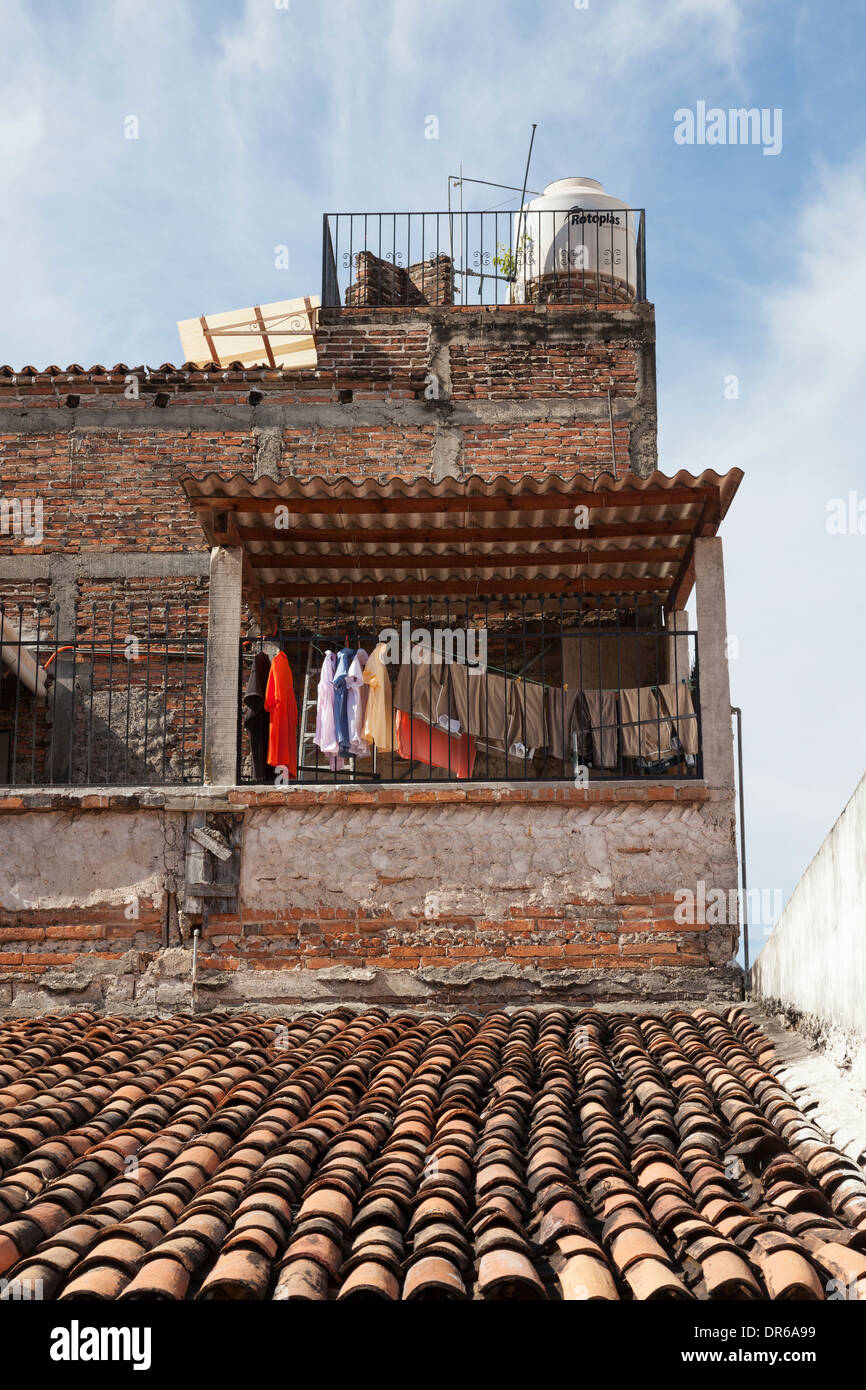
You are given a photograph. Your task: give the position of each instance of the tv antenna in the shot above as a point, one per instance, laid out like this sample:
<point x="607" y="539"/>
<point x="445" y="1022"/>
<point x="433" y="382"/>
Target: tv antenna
<point x="457" y="181"/>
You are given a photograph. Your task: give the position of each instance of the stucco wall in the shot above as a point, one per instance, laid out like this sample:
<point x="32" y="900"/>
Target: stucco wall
<point x="396" y="895"/>
<point x="814" y="965"/>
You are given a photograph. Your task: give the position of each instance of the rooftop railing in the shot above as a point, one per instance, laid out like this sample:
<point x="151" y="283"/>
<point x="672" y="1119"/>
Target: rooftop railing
<point x="589" y="257"/>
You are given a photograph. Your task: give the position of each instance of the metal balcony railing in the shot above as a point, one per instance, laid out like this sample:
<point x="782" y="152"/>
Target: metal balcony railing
<point x="114" y="697"/>
<point x="540" y="256"/>
<point x="530" y="689"/>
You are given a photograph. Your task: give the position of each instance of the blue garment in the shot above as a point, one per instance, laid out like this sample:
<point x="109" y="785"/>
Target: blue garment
<point x="341" y="699"/>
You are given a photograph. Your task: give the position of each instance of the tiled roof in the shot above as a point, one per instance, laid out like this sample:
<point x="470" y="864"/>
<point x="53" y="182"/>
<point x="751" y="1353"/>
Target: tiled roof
<point x="555" y="1154"/>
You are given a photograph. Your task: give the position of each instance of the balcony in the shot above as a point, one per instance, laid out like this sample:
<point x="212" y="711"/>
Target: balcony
<point x="458" y="259"/>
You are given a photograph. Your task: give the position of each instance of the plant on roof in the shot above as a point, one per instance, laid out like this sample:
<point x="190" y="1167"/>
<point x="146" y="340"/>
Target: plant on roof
<point x="507" y="261"/>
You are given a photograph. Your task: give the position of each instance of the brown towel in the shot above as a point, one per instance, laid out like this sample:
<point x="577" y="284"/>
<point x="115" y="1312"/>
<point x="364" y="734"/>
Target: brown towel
<point x="526" y="714"/>
<point x="419" y="690"/>
<point x="565" y="718"/>
<point x="601" y="712"/>
<point x="479" y="701"/>
<point x="646" y="732"/>
<point x="676" y="702"/>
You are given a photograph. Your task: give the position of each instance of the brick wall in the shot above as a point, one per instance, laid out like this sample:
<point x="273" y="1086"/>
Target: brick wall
<point x="398" y="893"/>
<point x="393" y="894"/>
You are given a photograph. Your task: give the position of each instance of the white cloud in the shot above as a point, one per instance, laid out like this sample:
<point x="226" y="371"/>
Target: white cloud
<point x="795" y="592"/>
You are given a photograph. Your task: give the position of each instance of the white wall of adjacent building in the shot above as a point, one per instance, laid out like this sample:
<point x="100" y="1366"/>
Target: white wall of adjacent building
<point x="814" y="964"/>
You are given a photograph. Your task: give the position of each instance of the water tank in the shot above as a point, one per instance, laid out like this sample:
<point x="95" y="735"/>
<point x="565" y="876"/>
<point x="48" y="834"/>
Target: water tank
<point x="575" y="244"/>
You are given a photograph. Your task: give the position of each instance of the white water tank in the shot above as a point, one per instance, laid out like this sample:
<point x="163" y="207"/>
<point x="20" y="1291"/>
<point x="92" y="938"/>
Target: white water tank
<point x="575" y="243"/>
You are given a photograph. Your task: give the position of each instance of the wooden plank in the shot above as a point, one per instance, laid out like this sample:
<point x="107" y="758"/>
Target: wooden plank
<point x="477" y="560"/>
<point x="478" y="588"/>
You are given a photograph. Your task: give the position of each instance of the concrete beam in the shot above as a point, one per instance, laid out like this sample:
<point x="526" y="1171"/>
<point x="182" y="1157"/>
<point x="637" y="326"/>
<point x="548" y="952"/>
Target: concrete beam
<point x="63" y="569"/>
<point x="715" y="689"/>
<point x="223" y="666"/>
<point x="180" y="414"/>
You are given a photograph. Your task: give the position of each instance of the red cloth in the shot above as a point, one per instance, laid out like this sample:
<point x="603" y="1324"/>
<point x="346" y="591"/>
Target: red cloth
<point x="420" y="742"/>
<point x="280" y="704"/>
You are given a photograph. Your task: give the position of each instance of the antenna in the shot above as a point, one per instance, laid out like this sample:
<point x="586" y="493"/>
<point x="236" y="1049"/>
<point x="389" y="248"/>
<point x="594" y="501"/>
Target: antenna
<point x="458" y="180"/>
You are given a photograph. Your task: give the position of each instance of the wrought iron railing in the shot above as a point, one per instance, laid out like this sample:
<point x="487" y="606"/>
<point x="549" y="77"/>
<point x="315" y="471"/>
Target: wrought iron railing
<point x="590" y="257"/>
<point x="112" y="696"/>
<point x="537" y="689"/>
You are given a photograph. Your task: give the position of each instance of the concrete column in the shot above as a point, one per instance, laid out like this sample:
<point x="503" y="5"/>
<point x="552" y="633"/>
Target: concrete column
<point x="678" y="666"/>
<point x="715" y="690"/>
<point x="223" y="660"/>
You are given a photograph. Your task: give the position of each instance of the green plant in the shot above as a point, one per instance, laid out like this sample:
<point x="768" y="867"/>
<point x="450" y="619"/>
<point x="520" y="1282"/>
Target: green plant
<point x="507" y="261"/>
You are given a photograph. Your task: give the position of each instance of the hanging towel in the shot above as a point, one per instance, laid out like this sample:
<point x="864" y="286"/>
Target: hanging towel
<point x="526" y="715"/>
<point x="326" y="733"/>
<point x="675" y="700"/>
<point x="257" y="721"/>
<point x="601" y="714"/>
<point x="280" y="703"/>
<point x="378" y="728"/>
<point x="419" y="690"/>
<point x="566" y="719"/>
<point x="420" y="742"/>
<point x="646" y="733"/>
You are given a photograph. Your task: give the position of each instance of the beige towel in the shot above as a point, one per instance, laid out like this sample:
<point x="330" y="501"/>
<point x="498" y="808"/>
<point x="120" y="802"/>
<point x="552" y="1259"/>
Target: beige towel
<point x="676" y="702"/>
<point x="601" y="709"/>
<point x="419" y="690"/>
<point x="646" y="731"/>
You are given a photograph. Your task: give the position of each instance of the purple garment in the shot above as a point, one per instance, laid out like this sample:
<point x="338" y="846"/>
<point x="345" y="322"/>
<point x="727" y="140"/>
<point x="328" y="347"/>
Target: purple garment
<point x="326" y="734"/>
<point x="341" y="700"/>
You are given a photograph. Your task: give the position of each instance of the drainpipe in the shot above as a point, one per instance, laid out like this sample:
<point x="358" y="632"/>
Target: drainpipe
<point x="195" y="939"/>
<point x="735" y="710"/>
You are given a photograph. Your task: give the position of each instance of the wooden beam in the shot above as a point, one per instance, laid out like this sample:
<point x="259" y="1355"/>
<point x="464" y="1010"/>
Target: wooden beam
<point x="684" y="579"/>
<point x="476" y="560"/>
<point x="477" y="588"/>
<point x="390" y="506"/>
<point x="415" y="535"/>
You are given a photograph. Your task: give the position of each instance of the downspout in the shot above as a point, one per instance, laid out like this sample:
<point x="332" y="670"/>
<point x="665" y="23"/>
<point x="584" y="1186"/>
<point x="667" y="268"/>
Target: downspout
<point x="195" y="940"/>
<point x="735" y="710"/>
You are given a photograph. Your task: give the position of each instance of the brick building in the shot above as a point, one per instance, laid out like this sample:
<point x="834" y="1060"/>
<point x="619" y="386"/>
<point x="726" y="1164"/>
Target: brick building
<point x="489" y="469"/>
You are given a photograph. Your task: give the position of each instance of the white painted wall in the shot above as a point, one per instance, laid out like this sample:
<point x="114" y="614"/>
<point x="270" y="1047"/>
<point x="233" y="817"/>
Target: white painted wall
<point x="815" y="960"/>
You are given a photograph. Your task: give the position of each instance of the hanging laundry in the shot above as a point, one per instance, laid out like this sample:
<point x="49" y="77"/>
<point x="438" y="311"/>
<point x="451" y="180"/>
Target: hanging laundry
<point x="257" y="720"/>
<point x="420" y="690"/>
<point x="378" y="727"/>
<point x="420" y="742"/>
<point x="526" y="729"/>
<point x="676" y="702"/>
<point x="601" y="712"/>
<point x="325" y="737"/>
<point x="280" y="703"/>
<point x="568" y="727"/>
<point x="478" y="701"/>
<point x="646" y="733"/>
<point x="341" y="700"/>
<point x="356" y="704"/>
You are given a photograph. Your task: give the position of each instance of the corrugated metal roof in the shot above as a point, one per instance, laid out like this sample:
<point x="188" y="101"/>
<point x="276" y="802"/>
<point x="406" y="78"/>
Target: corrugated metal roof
<point x="397" y="531"/>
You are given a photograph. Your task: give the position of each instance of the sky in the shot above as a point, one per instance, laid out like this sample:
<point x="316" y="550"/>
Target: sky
<point x="253" y="118"/>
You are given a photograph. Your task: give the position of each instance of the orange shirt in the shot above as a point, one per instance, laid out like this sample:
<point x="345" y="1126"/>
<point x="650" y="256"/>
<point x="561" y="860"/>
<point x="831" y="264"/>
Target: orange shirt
<point x="280" y="704"/>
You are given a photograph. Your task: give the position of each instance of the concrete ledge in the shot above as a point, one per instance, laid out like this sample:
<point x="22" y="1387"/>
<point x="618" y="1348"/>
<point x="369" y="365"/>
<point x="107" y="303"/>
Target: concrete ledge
<point x="166" y="984"/>
<point x="218" y="798"/>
